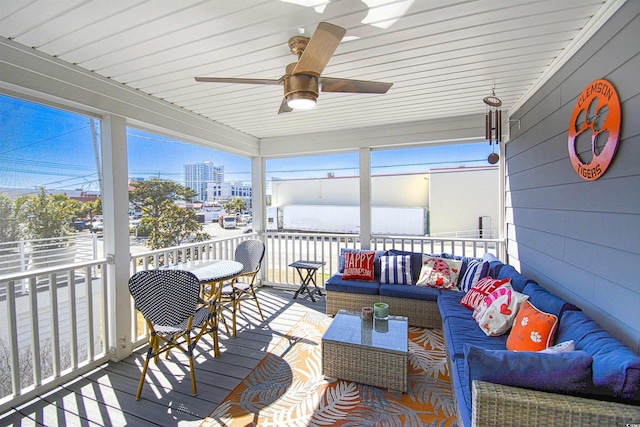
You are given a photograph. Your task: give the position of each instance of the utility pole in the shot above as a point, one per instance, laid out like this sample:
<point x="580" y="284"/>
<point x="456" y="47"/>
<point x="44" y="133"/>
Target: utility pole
<point x="96" y="151"/>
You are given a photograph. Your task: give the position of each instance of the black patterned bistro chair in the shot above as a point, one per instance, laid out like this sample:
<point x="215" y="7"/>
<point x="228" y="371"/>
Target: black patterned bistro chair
<point x="176" y="316"/>
<point x="249" y="253"/>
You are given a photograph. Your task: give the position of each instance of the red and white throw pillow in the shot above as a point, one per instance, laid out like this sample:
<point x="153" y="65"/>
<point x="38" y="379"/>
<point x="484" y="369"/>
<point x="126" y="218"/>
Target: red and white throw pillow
<point x="359" y="265"/>
<point x="498" y="310"/>
<point x="480" y="290"/>
<point x="439" y="273"/>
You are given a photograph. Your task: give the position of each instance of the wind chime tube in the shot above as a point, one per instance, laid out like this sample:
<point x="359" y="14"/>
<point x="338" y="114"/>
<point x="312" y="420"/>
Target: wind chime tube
<point x="488" y="130"/>
<point x="499" y="126"/>
<point x="486" y="126"/>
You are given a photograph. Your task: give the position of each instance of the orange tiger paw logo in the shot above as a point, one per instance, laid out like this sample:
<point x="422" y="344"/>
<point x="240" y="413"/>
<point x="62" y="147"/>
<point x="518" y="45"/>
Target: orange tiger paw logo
<point x="594" y="130"/>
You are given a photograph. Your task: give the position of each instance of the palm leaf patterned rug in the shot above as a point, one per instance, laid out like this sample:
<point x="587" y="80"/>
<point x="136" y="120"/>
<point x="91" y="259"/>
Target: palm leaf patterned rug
<point x="287" y="387"/>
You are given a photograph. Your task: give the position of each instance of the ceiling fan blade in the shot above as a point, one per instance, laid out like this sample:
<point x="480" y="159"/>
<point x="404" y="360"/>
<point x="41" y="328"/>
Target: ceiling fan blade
<point x="330" y="84"/>
<point x="238" y="80"/>
<point x="320" y="49"/>
<point x="284" y="107"/>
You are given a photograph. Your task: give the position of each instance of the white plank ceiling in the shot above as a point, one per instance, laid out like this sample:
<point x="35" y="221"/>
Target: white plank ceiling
<point x="442" y="56"/>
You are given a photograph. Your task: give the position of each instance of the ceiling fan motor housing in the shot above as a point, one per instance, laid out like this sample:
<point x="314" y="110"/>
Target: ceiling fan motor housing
<point x="303" y="85"/>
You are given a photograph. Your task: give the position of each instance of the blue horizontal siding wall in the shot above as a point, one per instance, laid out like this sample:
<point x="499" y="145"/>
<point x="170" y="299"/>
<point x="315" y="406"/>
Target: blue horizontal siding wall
<point x="581" y="239"/>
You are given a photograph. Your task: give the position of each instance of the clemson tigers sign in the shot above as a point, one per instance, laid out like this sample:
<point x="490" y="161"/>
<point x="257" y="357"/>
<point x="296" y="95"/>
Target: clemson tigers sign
<point x="594" y="130"/>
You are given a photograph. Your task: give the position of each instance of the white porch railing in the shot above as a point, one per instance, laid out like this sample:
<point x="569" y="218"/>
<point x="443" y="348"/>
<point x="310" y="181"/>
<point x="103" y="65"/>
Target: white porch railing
<point x="52" y="330"/>
<point x="285" y="248"/>
<point x="42" y="253"/>
<point x="50" y="334"/>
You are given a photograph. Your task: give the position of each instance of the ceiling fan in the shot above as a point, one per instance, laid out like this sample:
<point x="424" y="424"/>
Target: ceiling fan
<point x="302" y="80"/>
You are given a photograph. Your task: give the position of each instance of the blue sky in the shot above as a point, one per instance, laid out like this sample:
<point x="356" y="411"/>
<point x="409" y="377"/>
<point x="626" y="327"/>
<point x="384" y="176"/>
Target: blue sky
<point x="43" y="146"/>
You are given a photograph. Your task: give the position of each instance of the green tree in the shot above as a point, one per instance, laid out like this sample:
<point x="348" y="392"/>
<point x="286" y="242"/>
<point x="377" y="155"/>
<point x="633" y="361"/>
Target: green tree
<point x="9" y="222"/>
<point x="174" y="227"/>
<point x="46" y="216"/>
<point x="95" y="207"/>
<point x="149" y="196"/>
<point x="166" y="223"/>
<point x="235" y="205"/>
<point x="78" y="209"/>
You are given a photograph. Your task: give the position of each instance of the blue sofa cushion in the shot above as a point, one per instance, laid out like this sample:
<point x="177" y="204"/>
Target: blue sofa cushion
<point x="616" y="368"/>
<point x="495" y="265"/>
<point x="461" y="384"/>
<point x="336" y="283"/>
<point x="464" y="330"/>
<point x="416" y="262"/>
<point x="518" y="281"/>
<point x="568" y="372"/>
<point x="449" y="305"/>
<point x="424" y="293"/>
<point x="546" y="301"/>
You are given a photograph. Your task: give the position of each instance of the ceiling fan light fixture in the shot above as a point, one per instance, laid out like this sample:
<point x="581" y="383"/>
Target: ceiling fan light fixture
<point x="301" y="100"/>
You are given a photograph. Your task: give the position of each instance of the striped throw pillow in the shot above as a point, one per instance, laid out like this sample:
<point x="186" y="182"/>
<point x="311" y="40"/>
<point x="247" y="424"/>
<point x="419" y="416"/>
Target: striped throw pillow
<point x="475" y="271"/>
<point x="395" y="269"/>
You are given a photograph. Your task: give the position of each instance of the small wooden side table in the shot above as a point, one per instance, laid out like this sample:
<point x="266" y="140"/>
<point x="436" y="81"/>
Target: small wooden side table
<point x="307" y="272"/>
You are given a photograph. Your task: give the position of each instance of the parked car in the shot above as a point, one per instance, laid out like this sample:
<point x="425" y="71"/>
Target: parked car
<point x="80" y="225"/>
<point x="97" y="226"/>
<point x="229" y="222"/>
<point x="248" y="228"/>
<point x="133" y="225"/>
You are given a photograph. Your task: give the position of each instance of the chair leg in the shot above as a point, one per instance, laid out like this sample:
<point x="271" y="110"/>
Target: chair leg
<point x="216" y="342"/>
<point x="153" y="343"/>
<point x="234" y="305"/>
<point x="194" y="388"/>
<point x="221" y="317"/>
<point x="213" y="330"/>
<point x="253" y="294"/>
<point x="142" y="375"/>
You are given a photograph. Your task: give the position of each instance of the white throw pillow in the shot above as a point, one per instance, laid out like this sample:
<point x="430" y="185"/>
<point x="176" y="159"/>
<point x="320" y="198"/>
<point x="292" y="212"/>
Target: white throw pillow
<point x="498" y="310"/>
<point x="439" y="273"/>
<point x="562" y="347"/>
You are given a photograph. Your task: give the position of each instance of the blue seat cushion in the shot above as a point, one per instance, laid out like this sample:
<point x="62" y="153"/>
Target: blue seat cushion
<point x="464" y="330"/>
<point x="461" y="388"/>
<point x="616" y="368"/>
<point x="546" y="301"/>
<point x="409" y="291"/>
<point x="568" y="372"/>
<point x="449" y="305"/>
<point x="518" y="281"/>
<point x="335" y="283"/>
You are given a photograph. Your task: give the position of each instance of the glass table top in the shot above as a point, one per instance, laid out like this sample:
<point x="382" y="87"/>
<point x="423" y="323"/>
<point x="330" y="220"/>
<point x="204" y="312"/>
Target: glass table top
<point x="348" y="327"/>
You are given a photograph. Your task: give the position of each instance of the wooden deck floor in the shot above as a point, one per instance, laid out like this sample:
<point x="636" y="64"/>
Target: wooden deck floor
<point x="106" y="396"/>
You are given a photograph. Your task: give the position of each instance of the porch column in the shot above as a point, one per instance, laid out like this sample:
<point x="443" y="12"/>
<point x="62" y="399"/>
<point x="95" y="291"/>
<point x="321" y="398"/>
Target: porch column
<point x="258" y="191"/>
<point x="258" y="202"/>
<point x="365" y="198"/>
<point x="115" y="209"/>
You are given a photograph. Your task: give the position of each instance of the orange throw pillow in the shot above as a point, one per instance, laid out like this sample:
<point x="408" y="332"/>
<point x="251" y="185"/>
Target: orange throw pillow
<point x="532" y="330"/>
<point x="359" y="265"/>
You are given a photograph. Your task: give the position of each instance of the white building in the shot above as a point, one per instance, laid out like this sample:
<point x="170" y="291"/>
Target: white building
<point x="198" y="176"/>
<point x="460" y="201"/>
<point x="226" y="191"/>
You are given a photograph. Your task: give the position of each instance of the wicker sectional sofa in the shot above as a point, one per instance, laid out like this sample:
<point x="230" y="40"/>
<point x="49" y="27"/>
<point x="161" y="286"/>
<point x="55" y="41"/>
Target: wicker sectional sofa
<point x="598" y="384"/>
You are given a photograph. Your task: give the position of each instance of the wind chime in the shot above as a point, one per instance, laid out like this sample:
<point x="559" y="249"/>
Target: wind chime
<point x="493" y="124"/>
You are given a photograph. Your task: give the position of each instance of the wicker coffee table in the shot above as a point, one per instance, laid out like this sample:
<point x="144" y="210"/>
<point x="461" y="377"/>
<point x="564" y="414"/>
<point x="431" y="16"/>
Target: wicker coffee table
<point x="367" y="352"/>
